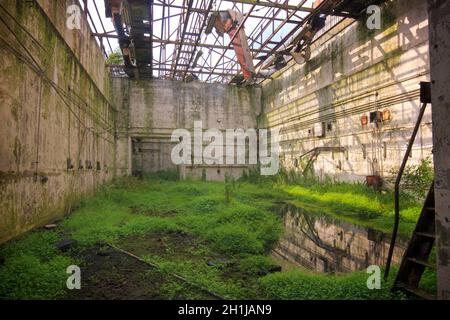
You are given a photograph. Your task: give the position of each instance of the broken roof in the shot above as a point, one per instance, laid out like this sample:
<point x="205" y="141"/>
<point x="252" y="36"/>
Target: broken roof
<point x="169" y="40"/>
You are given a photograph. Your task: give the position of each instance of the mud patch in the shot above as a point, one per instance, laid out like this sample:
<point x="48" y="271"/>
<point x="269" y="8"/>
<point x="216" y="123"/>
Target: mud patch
<point x="111" y="275"/>
<point x="152" y="211"/>
<point x="178" y="247"/>
<point x="178" y="244"/>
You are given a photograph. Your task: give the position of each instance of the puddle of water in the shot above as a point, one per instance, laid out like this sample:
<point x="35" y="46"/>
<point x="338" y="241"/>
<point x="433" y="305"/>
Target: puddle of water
<point x="323" y="244"/>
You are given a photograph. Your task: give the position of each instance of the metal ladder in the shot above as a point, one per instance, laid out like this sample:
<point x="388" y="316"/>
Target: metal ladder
<point x="415" y="259"/>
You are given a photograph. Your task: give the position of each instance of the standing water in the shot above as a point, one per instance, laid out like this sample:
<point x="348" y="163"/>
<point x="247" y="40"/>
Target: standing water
<point x="323" y="244"/>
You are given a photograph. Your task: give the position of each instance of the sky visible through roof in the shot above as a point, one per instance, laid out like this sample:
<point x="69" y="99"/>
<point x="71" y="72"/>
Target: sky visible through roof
<point x="164" y="53"/>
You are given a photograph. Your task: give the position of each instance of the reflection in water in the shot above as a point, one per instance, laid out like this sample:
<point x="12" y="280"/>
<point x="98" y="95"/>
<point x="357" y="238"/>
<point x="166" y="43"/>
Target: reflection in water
<point x="320" y="243"/>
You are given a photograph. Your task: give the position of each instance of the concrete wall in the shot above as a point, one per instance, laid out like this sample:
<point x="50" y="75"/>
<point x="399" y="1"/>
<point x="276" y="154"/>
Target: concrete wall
<point x="440" y="76"/>
<point x="81" y="42"/>
<point x="149" y="111"/>
<point x="355" y="71"/>
<point x="57" y="138"/>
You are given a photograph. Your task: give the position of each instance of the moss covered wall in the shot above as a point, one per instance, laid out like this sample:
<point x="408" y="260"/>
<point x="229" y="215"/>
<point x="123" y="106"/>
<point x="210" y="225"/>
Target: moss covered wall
<point x="83" y="46"/>
<point x="57" y="138"/>
<point x="354" y="71"/>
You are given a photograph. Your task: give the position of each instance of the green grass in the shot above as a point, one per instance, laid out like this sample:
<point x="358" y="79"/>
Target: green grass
<point x="352" y="202"/>
<point x="303" y="285"/>
<point x="241" y="227"/>
<point x="234" y="223"/>
<point x="357" y="204"/>
<point x="34" y="269"/>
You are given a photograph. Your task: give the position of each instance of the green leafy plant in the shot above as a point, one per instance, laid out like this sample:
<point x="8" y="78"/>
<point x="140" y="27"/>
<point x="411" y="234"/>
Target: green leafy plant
<point x="115" y="58"/>
<point x="230" y="185"/>
<point x="417" y="179"/>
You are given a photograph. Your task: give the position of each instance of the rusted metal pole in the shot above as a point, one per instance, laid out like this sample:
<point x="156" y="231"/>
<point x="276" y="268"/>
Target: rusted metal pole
<point x="397" y="190"/>
<point x="150" y="22"/>
<point x="86" y="10"/>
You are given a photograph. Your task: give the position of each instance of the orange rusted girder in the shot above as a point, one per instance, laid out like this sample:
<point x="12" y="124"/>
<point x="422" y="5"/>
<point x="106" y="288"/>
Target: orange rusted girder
<point x="243" y="53"/>
<point x="229" y="22"/>
<point x="116" y="6"/>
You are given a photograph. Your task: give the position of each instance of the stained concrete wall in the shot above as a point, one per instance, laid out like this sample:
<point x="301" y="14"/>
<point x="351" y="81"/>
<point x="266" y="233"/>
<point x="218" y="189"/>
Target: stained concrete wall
<point x="439" y="11"/>
<point x="57" y="138"/>
<point x="149" y="111"/>
<point x="355" y="71"/>
<point x="81" y="42"/>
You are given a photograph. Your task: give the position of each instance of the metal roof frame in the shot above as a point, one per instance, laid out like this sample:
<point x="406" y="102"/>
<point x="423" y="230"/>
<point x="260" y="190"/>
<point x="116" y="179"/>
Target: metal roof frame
<point x="168" y="35"/>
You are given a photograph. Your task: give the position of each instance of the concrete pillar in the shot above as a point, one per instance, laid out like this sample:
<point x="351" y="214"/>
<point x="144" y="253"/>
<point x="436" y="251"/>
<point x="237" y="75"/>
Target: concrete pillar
<point x="439" y="20"/>
<point x="130" y="156"/>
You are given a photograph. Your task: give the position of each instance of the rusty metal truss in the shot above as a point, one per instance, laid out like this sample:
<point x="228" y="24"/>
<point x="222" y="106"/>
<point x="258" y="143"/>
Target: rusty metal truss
<point x="166" y="39"/>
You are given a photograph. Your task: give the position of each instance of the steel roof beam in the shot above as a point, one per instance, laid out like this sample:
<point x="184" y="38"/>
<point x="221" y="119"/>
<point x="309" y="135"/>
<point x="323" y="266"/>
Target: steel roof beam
<point x="272" y="5"/>
<point x="183" y="35"/>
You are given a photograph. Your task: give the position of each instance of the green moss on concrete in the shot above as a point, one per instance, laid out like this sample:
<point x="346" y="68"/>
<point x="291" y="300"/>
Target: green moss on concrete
<point x="60" y="65"/>
<point x="388" y="20"/>
<point x="17" y="152"/>
<point x="334" y="53"/>
<point x="344" y="87"/>
<point x="323" y="56"/>
<point x="15" y="111"/>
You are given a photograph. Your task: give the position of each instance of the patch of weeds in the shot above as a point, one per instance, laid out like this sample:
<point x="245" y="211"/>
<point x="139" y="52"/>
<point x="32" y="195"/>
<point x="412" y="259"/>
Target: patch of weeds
<point x="360" y="205"/>
<point x="34" y="268"/>
<point x="166" y="175"/>
<point x="205" y="205"/>
<point x="154" y="212"/>
<point x="188" y="190"/>
<point x="175" y="244"/>
<point x="298" y="285"/>
<point x="417" y="179"/>
<point x="206" y="228"/>
<point x="428" y="282"/>
<point x="235" y="239"/>
<point x="258" y="265"/>
<point x="183" y="291"/>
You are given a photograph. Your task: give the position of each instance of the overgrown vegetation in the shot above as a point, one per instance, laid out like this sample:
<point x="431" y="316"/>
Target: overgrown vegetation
<point x="308" y="286"/>
<point x="216" y="235"/>
<point x="230" y="229"/>
<point x="34" y="268"/>
<point x="352" y="202"/>
<point x="417" y="179"/>
<point x="115" y="58"/>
